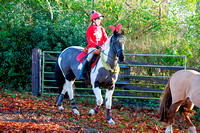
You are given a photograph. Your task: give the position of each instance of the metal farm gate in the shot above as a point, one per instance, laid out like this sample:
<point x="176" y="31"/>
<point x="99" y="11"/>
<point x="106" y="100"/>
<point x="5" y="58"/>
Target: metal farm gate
<point x="143" y="76"/>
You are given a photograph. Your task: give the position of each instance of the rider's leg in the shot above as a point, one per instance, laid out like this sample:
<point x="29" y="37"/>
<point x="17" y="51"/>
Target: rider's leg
<point x="83" y="70"/>
<point x="85" y="64"/>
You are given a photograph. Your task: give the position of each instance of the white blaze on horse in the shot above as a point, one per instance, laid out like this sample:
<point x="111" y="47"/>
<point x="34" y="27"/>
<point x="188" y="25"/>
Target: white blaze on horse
<point x="104" y="74"/>
<point x="181" y="93"/>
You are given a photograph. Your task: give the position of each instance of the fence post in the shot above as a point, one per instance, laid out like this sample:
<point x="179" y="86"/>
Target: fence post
<point x="126" y="72"/>
<point x="36" y="71"/>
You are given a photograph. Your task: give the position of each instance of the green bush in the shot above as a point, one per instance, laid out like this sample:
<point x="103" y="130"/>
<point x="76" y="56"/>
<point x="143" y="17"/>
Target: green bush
<point x="19" y="37"/>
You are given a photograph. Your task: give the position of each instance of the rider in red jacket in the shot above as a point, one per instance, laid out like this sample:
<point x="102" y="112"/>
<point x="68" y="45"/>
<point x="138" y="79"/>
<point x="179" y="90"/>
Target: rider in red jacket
<point x="96" y="36"/>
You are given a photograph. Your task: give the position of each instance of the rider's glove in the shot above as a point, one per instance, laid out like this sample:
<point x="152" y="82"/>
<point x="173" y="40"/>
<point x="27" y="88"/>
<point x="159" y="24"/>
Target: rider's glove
<point x="98" y="47"/>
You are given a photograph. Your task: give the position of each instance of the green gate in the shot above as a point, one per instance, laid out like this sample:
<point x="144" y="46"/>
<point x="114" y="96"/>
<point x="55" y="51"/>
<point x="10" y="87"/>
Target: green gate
<point x="137" y="79"/>
<point x="143" y="76"/>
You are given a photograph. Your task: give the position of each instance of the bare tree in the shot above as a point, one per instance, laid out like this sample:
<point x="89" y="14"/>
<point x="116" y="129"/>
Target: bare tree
<point x="198" y="6"/>
<point x="164" y="7"/>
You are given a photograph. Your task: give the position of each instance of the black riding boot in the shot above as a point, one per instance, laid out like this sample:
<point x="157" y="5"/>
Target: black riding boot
<point x="82" y="75"/>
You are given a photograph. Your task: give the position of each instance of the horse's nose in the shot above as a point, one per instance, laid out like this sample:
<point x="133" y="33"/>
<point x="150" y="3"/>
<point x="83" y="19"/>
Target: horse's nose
<point x="121" y="60"/>
<point x="121" y="57"/>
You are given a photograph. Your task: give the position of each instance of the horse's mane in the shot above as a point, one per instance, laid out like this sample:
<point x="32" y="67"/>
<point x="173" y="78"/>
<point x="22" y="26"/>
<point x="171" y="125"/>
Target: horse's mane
<point x="107" y="44"/>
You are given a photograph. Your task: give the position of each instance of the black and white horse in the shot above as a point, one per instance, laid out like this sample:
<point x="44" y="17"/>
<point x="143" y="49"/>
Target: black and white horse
<point x="104" y="75"/>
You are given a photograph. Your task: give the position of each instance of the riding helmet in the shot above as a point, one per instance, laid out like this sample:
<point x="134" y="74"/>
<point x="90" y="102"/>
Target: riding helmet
<point x="95" y="15"/>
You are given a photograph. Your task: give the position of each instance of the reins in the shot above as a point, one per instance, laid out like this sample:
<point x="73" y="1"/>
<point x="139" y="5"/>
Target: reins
<point x="116" y="68"/>
<point x="107" y="67"/>
<point x="141" y="71"/>
<point x="87" y="54"/>
<point x="107" y="55"/>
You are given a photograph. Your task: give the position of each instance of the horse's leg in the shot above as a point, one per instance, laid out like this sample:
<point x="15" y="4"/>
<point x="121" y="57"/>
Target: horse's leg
<point x="189" y="105"/>
<point x="171" y="112"/>
<point x="61" y="97"/>
<point x="108" y="97"/>
<point x="70" y="91"/>
<point x="99" y="100"/>
<point x="68" y="87"/>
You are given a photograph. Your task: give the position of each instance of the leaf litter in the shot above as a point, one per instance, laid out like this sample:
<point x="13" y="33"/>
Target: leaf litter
<point x="26" y="113"/>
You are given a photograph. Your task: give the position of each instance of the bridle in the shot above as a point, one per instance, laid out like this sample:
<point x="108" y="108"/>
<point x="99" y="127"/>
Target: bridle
<point x="116" y="68"/>
<point x="114" y="48"/>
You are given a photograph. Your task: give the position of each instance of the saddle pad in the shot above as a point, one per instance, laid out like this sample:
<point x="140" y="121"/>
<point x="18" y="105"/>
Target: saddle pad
<point x="80" y="58"/>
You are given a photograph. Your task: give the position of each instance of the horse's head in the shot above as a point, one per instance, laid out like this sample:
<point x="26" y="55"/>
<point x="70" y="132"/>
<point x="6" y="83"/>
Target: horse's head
<point x="117" y="44"/>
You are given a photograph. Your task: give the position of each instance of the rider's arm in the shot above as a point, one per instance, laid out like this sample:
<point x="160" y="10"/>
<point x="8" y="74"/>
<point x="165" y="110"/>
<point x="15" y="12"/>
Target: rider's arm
<point x="91" y="39"/>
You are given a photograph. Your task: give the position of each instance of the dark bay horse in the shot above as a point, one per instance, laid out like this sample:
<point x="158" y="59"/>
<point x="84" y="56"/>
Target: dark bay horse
<point x="181" y="93"/>
<point x="104" y="75"/>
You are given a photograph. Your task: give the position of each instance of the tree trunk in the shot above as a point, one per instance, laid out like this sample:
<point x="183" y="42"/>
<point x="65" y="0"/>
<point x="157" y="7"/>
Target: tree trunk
<point x="198" y="7"/>
<point x="165" y="6"/>
<point x="163" y="9"/>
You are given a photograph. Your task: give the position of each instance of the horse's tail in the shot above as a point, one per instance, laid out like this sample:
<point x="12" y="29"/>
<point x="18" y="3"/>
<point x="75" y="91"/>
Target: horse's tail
<point x="165" y="103"/>
<point x="60" y="80"/>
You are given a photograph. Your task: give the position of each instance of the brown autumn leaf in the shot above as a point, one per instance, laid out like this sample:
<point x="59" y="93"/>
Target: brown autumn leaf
<point x="26" y="113"/>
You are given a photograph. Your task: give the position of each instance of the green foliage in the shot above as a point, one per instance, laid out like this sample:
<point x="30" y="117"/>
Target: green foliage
<point x="27" y="24"/>
<point x="23" y="29"/>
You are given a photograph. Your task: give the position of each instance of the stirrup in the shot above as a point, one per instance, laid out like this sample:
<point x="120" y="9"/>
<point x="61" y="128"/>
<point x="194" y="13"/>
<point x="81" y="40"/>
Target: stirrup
<point x="81" y="77"/>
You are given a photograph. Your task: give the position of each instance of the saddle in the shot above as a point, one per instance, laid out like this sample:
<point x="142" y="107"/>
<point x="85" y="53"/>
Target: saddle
<point x="80" y="57"/>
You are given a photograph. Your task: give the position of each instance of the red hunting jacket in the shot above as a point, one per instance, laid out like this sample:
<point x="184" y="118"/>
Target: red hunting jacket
<point x="96" y="35"/>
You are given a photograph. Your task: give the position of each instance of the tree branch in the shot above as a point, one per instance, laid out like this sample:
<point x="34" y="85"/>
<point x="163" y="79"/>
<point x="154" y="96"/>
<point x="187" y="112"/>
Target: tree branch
<point x="50" y="9"/>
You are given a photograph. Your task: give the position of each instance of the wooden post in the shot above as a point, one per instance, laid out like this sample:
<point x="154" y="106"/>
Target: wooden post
<point x="127" y="72"/>
<point x="36" y="71"/>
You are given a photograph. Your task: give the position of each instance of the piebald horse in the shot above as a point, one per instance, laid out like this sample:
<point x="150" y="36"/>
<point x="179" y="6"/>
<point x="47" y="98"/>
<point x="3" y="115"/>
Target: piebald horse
<point x="181" y="93"/>
<point x="105" y="74"/>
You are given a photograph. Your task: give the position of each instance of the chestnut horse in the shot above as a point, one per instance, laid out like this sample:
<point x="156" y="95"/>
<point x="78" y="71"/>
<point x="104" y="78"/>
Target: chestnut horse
<point x="181" y="93"/>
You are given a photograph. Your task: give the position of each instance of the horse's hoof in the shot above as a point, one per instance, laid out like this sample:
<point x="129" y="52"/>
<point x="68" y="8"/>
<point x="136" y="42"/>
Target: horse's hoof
<point x="60" y="107"/>
<point x="111" y="121"/>
<point x="192" y="129"/>
<point x="76" y="112"/>
<point x="91" y="112"/>
<point x="169" y="129"/>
